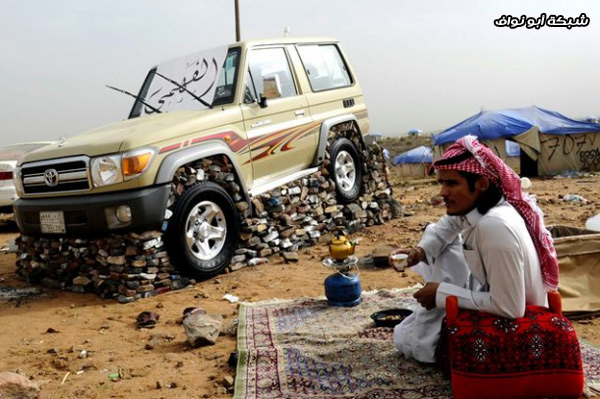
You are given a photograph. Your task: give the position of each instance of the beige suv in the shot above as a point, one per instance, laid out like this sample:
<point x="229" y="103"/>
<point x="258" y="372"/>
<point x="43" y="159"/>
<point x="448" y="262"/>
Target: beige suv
<point x="266" y="108"/>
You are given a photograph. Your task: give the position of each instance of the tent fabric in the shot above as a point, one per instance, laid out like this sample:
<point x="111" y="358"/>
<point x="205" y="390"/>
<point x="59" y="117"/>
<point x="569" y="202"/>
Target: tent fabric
<point x="422" y="154"/>
<point x="489" y="125"/>
<point x="578" y="253"/>
<point x="575" y="152"/>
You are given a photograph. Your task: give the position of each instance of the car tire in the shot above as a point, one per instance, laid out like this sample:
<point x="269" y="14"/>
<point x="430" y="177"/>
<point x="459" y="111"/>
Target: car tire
<point x="203" y="230"/>
<point x="345" y="169"/>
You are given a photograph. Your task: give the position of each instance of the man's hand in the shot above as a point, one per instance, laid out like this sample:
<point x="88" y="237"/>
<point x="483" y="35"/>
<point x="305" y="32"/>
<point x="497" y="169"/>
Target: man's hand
<point x="415" y="255"/>
<point x="426" y="295"/>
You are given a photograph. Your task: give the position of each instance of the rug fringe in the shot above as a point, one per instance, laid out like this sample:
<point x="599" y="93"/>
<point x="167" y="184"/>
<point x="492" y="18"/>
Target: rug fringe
<point x="276" y="301"/>
<point x="591" y="389"/>
<point x="393" y="290"/>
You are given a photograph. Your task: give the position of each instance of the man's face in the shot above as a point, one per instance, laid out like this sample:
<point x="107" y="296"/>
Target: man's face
<point x="458" y="198"/>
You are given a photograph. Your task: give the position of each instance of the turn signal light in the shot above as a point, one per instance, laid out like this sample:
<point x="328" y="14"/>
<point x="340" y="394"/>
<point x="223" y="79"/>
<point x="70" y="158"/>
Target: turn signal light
<point x="134" y="164"/>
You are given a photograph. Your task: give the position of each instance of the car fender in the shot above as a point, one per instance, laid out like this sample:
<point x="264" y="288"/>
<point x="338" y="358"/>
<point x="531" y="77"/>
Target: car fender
<point x="174" y="161"/>
<point x="324" y="132"/>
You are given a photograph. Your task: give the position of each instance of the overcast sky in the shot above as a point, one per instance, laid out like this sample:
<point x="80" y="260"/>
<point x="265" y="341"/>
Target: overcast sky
<point x="422" y="64"/>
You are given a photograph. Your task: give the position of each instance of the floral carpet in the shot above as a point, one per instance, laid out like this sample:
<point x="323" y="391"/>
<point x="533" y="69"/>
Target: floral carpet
<point x="306" y="349"/>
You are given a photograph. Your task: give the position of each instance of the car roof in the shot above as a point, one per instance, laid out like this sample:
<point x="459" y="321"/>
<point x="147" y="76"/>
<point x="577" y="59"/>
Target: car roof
<point x="286" y="40"/>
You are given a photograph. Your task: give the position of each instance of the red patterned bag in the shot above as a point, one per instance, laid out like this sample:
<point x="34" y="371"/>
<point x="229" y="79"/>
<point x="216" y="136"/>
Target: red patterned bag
<point x="492" y="357"/>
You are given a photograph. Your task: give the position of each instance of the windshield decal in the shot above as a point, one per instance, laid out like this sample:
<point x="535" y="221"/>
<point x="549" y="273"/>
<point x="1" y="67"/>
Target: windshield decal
<point x="185" y="80"/>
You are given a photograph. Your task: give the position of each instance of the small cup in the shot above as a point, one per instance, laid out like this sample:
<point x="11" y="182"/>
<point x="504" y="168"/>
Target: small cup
<point x="399" y="261"/>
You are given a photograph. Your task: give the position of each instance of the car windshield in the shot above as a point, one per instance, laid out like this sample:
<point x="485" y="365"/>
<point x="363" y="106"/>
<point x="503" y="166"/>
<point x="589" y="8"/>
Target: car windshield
<point x="195" y="81"/>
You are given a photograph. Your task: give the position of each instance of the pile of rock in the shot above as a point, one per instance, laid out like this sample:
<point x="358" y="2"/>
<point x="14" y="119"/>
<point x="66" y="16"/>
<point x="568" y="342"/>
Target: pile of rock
<point x="299" y="214"/>
<point x="302" y="213"/>
<point x="126" y="267"/>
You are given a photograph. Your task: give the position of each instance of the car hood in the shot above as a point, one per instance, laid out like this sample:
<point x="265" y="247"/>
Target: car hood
<point x="128" y="134"/>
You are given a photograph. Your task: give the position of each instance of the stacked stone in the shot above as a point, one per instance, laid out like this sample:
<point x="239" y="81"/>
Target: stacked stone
<point x="126" y="267"/>
<point x="217" y="169"/>
<point x="298" y="214"/>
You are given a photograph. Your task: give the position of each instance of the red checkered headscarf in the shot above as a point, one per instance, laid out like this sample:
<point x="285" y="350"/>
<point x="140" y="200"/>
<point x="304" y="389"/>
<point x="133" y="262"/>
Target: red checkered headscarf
<point x="485" y="163"/>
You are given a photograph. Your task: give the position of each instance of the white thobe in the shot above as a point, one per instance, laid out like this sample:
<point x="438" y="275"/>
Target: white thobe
<point x="504" y="274"/>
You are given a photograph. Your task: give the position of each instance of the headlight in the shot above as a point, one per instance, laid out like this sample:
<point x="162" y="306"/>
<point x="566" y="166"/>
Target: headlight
<point x="106" y="170"/>
<point x="135" y="163"/>
<point x="112" y="169"/>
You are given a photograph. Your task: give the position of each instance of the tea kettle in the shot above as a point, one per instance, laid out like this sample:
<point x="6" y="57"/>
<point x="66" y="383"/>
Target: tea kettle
<point x="340" y="247"/>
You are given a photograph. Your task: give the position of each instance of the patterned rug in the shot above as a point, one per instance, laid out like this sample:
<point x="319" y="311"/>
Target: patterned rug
<point x="306" y="349"/>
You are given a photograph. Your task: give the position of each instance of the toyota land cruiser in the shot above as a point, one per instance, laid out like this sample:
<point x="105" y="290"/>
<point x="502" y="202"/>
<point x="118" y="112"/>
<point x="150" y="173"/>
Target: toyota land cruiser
<point x="266" y="107"/>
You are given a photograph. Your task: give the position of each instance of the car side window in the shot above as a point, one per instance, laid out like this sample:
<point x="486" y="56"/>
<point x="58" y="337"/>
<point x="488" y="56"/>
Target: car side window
<point x="224" y="91"/>
<point x="324" y="67"/>
<point x="269" y="75"/>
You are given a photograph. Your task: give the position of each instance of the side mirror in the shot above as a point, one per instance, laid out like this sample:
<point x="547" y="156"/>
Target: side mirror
<point x="263" y="101"/>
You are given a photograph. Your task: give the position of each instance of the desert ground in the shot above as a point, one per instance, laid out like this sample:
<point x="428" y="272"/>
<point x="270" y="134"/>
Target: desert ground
<point x="81" y="346"/>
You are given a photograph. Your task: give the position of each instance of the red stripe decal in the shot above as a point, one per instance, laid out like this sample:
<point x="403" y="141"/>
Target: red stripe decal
<point x="305" y="132"/>
<point x="169" y="148"/>
<point x="232" y="139"/>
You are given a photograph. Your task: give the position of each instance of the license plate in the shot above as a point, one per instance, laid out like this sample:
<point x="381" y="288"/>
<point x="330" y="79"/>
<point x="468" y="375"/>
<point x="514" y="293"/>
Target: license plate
<point x="52" y="222"/>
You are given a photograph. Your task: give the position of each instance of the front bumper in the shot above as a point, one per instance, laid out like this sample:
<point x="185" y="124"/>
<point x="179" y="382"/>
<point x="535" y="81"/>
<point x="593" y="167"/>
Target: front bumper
<point x="93" y="215"/>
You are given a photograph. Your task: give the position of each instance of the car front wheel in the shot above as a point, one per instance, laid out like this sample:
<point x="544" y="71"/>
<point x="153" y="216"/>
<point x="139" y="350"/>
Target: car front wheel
<point x="203" y="230"/>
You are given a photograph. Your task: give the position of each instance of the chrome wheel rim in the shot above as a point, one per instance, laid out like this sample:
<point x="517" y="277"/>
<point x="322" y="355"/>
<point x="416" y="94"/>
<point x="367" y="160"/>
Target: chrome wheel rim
<point x="206" y="230"/>
<point x="345" y="170"/>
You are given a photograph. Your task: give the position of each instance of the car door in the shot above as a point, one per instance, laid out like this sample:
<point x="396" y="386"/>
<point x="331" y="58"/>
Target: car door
<point x="280" y="131"/>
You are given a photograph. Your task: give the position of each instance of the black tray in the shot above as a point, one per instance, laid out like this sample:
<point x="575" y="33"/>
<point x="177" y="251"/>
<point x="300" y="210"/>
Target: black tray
<point x="391" y="317"/>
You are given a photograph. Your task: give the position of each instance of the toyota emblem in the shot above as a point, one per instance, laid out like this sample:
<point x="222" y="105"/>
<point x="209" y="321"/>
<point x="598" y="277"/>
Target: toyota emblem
<point x="51" y="177"/>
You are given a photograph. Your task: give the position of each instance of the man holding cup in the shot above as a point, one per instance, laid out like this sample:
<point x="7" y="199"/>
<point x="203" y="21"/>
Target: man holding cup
<point x="491" y="249"/>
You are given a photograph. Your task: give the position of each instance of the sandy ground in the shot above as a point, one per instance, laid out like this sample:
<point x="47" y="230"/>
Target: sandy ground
<point x="42" y="337"/>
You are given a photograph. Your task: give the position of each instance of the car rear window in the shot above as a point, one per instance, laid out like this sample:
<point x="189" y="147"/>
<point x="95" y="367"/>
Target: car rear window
<point x="324" y="66"/>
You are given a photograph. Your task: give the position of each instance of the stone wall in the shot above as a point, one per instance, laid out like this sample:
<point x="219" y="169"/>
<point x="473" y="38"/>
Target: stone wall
<point x="136" y="264"/>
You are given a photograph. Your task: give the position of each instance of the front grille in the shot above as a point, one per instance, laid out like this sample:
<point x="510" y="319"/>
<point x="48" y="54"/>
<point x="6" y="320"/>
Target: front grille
<point x="65" y="175"/>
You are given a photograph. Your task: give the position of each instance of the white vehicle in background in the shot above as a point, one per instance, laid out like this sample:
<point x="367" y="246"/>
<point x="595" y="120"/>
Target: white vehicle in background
<point x="9" y="155"/>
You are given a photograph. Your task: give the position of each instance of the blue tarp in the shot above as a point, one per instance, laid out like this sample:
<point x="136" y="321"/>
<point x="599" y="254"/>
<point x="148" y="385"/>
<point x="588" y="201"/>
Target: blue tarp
<point x="420" y="154"/>
<point x="512" y="149"/>
<point x="490" y="125"/>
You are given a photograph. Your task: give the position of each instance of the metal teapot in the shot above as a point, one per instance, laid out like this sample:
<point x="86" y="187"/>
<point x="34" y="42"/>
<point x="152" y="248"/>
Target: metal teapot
<point x="341" y="247"/>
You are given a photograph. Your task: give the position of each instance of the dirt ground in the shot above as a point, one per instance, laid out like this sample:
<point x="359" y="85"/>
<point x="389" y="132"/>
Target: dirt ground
<point x="43" y="337"/>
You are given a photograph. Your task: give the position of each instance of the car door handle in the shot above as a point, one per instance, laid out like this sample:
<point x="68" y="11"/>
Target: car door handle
<point x="299" y="112"/>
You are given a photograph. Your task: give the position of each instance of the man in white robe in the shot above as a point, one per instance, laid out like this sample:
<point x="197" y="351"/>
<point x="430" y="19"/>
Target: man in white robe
<point x="491" y="250"/>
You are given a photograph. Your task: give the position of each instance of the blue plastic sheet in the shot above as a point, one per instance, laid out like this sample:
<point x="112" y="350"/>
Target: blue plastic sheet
<point x="420" y="154"/>
<point x="490" y="125"/>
